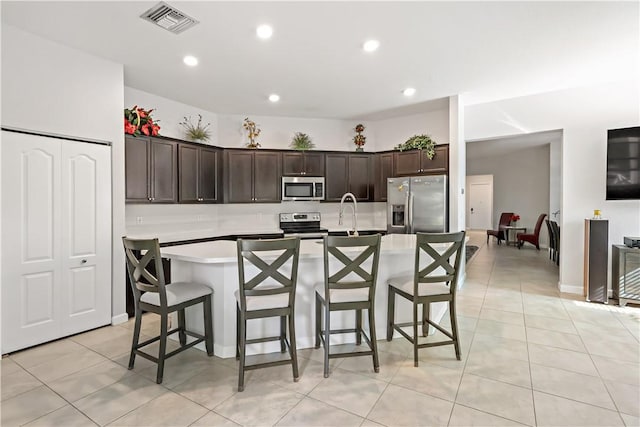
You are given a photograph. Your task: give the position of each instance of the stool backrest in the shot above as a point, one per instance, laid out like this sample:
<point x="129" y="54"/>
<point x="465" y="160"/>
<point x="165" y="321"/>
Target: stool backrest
<point x="353" y="272"/>
<point x="281" y="278"/>
<point x="141" y="254"/>
<point x="454" y="243"/>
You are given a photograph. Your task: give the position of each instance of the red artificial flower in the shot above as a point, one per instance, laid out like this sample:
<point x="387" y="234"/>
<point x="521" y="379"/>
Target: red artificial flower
<point x="129" y="128"/>
<point x="515" y="218"/>
<point x="154" y="129"/>
<point x="145" y="129"/>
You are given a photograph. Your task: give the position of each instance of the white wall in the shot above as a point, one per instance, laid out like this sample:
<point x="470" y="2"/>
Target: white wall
<point x="555" y="180"/>
<point x="584" y="115"/>
<point x="394" y="131"/>
<point x="52" y="88"/>
<point x="520" y="184"/>
<point x="170" y="113"/>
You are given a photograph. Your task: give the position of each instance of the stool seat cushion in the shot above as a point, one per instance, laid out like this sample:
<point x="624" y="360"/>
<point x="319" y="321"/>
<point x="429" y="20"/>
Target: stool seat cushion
<point x="343" y="295"/>
<point x="264" y="302"/>
<point x="405" y="284"/>
<point x="177" y="293"/>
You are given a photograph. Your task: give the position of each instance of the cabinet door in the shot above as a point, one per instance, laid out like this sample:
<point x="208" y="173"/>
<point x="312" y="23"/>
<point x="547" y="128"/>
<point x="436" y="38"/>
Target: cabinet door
<point x="239" y="168"/>
<point x="292" y="163"/>
<point x="164" y="165"/>
<point x="360" y="176"/>
<point x="314" y="164"/>
<point x="407" y="162"/>
<point x="209" y="167"/>
<point x="384" y="170"/>
<point x="188" y="173"/>
<point x="439" y="163"/>
<point x="337" y="177"/>
<point x="136" y="159"/>
<point x="266" y="179"/>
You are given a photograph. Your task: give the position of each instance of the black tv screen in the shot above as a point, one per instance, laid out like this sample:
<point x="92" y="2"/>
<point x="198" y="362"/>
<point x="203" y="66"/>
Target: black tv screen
<point x="623" y="164"/>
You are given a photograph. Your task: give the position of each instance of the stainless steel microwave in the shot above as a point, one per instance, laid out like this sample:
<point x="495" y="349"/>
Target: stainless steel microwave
<point x="303" y="188"/>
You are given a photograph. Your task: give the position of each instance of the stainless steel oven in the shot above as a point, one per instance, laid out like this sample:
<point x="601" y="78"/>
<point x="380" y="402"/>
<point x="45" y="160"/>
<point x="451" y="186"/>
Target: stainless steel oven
<point x="302" y="188"/>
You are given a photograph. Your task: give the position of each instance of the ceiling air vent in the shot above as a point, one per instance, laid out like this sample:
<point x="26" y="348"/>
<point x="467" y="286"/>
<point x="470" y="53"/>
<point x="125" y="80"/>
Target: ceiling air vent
<point x="168" y="18"/>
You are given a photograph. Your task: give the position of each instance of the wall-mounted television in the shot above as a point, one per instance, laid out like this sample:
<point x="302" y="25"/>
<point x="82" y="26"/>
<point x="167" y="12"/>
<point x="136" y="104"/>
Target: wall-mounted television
<point x="623" y="164"/>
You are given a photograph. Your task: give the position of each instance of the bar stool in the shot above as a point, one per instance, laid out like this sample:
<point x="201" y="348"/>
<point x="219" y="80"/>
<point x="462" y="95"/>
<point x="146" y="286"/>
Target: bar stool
<point x="351" y="287"/>
<point x="151" y="293"/>
<point x="269" y="293"/>
<point x="435" y="282"/>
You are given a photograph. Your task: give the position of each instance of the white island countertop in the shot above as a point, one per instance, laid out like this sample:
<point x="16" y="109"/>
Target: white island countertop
<point x="223" y="251"/>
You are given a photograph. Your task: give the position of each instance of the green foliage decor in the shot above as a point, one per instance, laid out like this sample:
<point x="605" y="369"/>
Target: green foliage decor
<point x="302" y="141"/>
<point x="196" y="132"/>
<point x="421" y="142"/>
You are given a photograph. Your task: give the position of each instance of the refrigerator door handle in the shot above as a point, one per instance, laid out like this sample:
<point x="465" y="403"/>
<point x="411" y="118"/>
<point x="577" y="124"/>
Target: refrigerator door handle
<point x="410" y="208"/>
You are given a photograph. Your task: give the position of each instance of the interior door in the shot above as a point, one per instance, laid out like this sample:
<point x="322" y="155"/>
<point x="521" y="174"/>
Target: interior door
<point x="31" y="245"/>
<point x="479" y="209"/>
<point x="86" y="236"/>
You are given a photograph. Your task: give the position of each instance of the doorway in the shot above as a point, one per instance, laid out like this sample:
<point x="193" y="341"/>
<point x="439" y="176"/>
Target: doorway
<point x="479" y="202"/>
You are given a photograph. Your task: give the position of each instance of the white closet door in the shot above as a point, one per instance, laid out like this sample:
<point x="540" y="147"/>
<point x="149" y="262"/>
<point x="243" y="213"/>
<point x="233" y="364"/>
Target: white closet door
<point x="86" y="236"/>
<point x="31" y="242"/>
<point x="56" y="228"/>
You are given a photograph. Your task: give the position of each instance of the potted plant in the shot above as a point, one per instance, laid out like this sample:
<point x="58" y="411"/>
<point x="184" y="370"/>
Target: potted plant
<point x="138" y="121"/>
<point x="196" y="132"/>
<point x="302" y="141"/>
<point x="420" y="142"/>
<point x="252" y="133"/>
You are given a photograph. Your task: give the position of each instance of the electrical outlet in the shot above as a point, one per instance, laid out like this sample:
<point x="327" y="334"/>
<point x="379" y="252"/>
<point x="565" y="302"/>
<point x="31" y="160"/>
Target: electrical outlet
<point x="138" y="220"/>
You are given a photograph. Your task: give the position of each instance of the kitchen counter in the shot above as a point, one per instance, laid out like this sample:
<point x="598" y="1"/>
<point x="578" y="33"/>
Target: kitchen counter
<point x="215" y="264"/>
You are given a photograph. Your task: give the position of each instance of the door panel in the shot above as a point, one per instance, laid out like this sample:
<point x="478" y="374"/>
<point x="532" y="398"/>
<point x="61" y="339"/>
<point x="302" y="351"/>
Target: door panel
<point x="480" y="206"/>
<point x="360" y="176"/>
<point x="31" y="245"/>
<point x="314" y="164"/>
<point x="407" y="163"/>
<point x="240" y="176"/>
<point x="86" y="236"/>
<point x="266" y="180"/>
<point x="429" y="204"/>
<point x="137" y="169"/>
<point x="337" y="178"/>
<point x="292" y="163"/>
<point x="164" y="165"/>
<point x="209" y="166"/>
<point x="188" y="173"/>
<point x="439" y="163"/>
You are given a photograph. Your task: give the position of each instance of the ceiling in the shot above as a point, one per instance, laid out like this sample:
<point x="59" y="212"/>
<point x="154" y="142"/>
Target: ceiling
<point x="315" y="61"/>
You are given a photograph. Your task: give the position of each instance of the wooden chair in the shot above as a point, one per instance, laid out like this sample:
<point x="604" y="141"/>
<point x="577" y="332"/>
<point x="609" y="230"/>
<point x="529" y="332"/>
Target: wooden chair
<point x="270" y="293"/>
<point x="151" y="293"/>
<point x="555" y="228"/>
<point x="436" y="282"/>
<point x="534" y="238"/>
<point x="351" y="287"/>
<point x="505" y="219"/>
<point x="552" y="241"/>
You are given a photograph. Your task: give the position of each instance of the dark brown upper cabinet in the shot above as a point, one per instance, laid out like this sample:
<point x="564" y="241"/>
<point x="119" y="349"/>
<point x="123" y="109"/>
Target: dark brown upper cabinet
<point x="416" y="162"/>
<point x="303" y="164"/>
<point x="253" y="176"/>
<point x="383" y="169"/>
<point x="199" y="170"/>
<point x="150" y="170"/>
<point x="348" y="173"/>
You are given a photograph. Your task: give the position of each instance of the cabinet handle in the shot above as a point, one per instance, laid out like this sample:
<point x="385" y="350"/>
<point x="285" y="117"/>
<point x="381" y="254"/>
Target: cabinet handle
<point x="149" y="198"/>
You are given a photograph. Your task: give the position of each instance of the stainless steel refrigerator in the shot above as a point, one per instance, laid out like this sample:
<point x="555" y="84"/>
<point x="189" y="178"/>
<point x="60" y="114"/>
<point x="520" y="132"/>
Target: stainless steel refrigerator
<point x="417" y="203"/>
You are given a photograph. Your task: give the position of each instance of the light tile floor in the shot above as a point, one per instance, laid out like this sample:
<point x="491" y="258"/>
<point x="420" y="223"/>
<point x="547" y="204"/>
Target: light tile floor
<point x="530" y="357"/>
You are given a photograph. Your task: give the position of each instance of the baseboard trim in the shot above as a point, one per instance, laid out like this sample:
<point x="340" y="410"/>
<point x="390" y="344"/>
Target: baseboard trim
<point x="120" y="318"/>
<point x="570" y="289"/>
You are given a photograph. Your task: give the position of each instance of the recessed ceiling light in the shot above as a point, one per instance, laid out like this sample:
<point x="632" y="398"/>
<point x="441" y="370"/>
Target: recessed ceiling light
<point x="264" y="31"/>
<point x="409" y="91"/>
<point x="191" y="61"/>
<point x="274" y="97"/>
<point x="371" y="45"/>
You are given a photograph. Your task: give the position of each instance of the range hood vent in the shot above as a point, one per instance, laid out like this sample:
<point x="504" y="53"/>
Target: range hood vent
<point x="169" y="18"/>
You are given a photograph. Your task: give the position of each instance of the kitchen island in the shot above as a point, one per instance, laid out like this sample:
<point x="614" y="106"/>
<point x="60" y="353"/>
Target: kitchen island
<point x="215" y="264"/>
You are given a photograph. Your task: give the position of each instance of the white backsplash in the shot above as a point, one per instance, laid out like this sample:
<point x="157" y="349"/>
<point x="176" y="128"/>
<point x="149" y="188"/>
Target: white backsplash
<point x="171" y="218"/>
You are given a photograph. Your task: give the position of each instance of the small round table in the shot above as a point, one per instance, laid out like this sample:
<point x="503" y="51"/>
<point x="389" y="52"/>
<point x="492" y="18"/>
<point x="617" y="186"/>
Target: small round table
<point x="507" y="232"/>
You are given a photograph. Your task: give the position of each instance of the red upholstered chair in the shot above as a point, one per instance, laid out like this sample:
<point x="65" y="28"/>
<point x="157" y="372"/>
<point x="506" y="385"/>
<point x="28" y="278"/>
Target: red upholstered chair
<point x="505" y="219"/>
<point x="534" y="238"/>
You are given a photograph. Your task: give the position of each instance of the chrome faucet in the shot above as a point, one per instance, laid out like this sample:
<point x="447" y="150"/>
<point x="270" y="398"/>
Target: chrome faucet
<point x="354" y="212"/>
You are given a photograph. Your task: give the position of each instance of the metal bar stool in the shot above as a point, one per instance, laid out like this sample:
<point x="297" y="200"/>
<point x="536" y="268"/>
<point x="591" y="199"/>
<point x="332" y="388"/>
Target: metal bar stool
<point x="270" y="293"/>
<point x="351" y="287"/>
<point x="434" y="283"/>
<point x="151" y="293"/>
